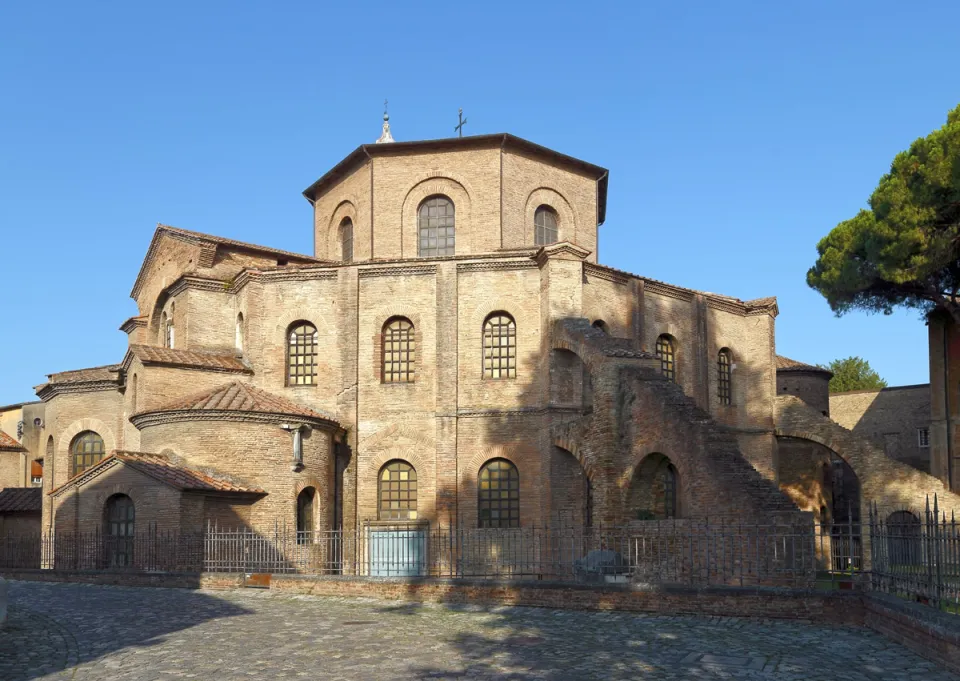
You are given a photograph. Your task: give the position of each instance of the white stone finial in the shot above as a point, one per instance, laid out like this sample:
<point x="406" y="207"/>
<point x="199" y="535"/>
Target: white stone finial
<point x="385" y="136"/>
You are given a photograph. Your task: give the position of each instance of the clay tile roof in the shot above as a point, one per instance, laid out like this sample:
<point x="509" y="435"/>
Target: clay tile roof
<point x="149" y="354"/>
<point x="239" y="396"/>
<point x="9" y="443"/>
<point x="21" y="499"/>
<point x="200" y="236"/>
<point x="107" y="372"/>
<point x="787" y="364"/>
<point x="160" y="467"/>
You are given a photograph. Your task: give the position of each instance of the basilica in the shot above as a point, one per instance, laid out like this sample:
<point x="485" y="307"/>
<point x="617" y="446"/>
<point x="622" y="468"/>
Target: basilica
<point x="453" y="352"/>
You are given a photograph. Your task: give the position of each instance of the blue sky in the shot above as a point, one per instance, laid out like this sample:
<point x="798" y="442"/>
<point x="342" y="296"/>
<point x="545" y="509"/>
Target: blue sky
<point x="737" y="134"/>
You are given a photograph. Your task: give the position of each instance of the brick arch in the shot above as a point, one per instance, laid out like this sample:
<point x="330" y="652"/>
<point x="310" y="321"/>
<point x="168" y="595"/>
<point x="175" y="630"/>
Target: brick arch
<point x="680" y="463"/>
<point x="883" y="480"/>
<point x="472" y="466"/>
<point x="456" y="190"/>
<point x="573" y="448"/>
<point x="567" y="214"/>
<point x="96" y="425"/>
<point x="345" y="209"/>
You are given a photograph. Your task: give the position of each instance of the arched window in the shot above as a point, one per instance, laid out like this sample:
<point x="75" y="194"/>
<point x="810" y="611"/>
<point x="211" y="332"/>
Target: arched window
<point x="87" y="450"/>
<point x="723" y="376"/>
<point x="238" y="337"/>
<point x="133" y="394"/>
<point x="397" y="492"/>
<point x="305" y="514"/>
<point x="119" y="518"/>
<point x="666" y="354"/>
<point x="346" y="240"/>
<point x="399" y="351"/>
<point x="167" y="328"/>
<point x="436" y="225"/>
<point x="601" y="326"/>
<point x="499" y="346"/>
<point x="302" y="354"/>
<point x="668" y="481"/>
<point x="498" y="494"/>
<point x="545" y="226"/>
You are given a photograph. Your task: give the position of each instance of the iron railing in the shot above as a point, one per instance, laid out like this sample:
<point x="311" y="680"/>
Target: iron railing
<point x="916" y="555"/>
<point x="788" y="551"/>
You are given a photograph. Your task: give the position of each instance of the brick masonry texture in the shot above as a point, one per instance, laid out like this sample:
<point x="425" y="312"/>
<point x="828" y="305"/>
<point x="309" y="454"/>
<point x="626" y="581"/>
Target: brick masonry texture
<point x="891" y="418"/>
<point x="586" y="408"/>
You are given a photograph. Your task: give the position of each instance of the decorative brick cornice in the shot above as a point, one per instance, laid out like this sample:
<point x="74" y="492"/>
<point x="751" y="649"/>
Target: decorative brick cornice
<point x="657" y="287"/>
<point x="497" y="265"/>
<point x="397" y="271"/>
<point x="563" y="250"/>
<point x="133" y="324"/>
<point x="48" y="391"/>
<point x="601" y="272"/>
<point x="156" y="418"/>
<point x="187" y="282"/>
<point x="726" y="306"/>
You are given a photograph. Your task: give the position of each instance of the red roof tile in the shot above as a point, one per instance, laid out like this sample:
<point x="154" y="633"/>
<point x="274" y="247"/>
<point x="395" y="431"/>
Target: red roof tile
<point x="787" y="364"/>
<point x="8" y="443"/>
<point x="107" y="372"/>
<point x="149" y="354"/>
<point x="21" y="499"/>
<point x="164" y="470"/>
<point x="239" y="396"/>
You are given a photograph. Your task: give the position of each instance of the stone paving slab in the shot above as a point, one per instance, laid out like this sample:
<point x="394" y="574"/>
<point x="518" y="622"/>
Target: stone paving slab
<point x="86" y="633"/>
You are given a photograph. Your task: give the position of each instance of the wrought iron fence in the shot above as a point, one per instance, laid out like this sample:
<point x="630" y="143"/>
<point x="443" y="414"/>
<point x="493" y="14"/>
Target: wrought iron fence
<point x="916" y="555"/>
<point x="147" y="551"/>
<point x="787" y="551"/>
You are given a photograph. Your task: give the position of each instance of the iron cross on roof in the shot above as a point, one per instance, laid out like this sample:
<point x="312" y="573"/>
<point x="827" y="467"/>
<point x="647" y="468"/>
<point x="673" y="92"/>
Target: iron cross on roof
<point x="463" y="121"/>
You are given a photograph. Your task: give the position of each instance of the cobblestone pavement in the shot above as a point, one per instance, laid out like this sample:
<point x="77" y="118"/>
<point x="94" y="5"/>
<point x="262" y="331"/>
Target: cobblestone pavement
<point x="71" y="631"/>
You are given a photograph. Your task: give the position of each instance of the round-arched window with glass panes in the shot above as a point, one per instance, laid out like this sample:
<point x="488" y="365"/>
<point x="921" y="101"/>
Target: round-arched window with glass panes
<point x="436" y="223"/>
<point x="498" y="495"/>
<point x="724" y="365"/>
<point x="302" y="354"/>
<point x="499" y="346"/>
<point x="666" y="353"/>
<point x="87" y="449"/>
<point x="346" y="240"/>
<point x="545" y="226"/>
<point x="397" y="488"/>
<point x="399" y="351"/>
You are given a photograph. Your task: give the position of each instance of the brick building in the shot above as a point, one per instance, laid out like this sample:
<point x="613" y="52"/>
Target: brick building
<point x="451" y="353"/>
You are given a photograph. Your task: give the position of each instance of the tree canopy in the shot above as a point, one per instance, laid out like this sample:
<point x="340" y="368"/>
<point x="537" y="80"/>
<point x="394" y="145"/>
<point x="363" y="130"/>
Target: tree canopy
<point x="904" y="250"/>
<point x="853" y="373"/>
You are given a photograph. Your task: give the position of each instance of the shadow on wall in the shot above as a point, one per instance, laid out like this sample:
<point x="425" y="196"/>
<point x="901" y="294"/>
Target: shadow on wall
<point x="60" y="626"/>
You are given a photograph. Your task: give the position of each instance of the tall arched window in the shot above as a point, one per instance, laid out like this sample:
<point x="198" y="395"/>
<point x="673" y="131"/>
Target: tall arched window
<point x="167" y="328"/>
<point x="723" y="376"/>
<point x="436" y="226"/>
<point x="399" y="351"/>
<point x="668" y="480"/>
<point x="346" y="240"/>
<point x="666" y="353"/>
<point x="133" y="394"/>
<point x="305" y="514"/>
<point x="498" y="494"/>
<point x="238" y="335"/>
<point x="302" y="354"/>
<point x="163" y="329"/>
<point x="545" y="226"/>
<point x="499" y="346"/>
<point x="397" y="489"/>
<point x="87" y="450"/>
<point x="119" y="519"/>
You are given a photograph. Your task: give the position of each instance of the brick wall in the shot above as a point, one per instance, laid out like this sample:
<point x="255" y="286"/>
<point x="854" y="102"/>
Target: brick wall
<point x="890" y="417"/>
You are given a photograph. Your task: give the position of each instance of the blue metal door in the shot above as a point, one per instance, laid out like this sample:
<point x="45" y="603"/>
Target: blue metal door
<point x="398" y="553"/>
